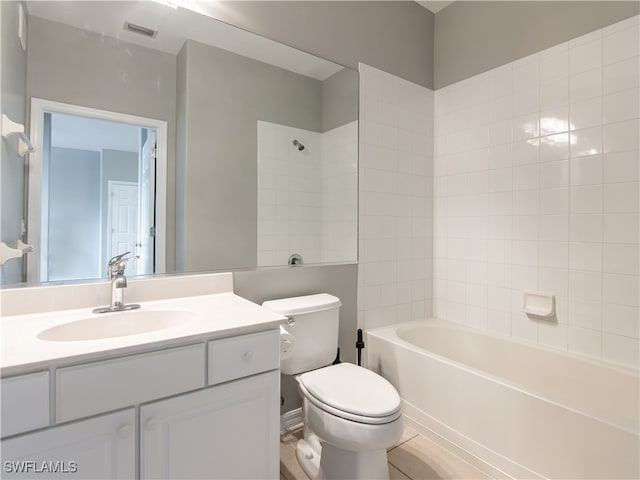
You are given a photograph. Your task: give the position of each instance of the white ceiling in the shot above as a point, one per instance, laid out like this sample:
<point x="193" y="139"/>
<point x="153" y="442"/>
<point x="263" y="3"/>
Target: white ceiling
<point x="434" y="6"/>
<point x="195" y="21"/>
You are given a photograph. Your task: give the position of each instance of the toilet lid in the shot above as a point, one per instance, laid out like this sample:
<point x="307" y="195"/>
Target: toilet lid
<point x="352" y="389"/>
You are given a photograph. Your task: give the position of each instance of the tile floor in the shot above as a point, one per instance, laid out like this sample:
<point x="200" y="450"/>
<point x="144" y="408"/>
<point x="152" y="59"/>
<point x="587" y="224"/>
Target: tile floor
<point x="415" y="457"/>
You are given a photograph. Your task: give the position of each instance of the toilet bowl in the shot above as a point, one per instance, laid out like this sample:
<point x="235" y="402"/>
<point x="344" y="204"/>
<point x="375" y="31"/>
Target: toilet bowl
<point x="355" y="415"/>
<point x="350" y="414"/>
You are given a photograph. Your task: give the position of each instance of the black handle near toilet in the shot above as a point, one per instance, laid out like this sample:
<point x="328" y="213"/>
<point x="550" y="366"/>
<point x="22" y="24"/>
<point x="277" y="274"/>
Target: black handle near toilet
<point x="359" y="346"/>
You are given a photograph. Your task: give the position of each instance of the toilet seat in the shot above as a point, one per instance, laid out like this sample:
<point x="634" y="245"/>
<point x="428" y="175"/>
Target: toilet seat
<point x="353" y="393"/>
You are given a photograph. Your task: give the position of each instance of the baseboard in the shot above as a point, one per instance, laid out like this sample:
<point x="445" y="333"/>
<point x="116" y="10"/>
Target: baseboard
<point x="290" y="419"/>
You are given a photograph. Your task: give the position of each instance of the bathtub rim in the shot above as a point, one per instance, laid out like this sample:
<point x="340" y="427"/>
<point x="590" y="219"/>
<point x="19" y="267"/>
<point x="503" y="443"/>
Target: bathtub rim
<point x="389" y="333"/>
<point x="520" y="341"/>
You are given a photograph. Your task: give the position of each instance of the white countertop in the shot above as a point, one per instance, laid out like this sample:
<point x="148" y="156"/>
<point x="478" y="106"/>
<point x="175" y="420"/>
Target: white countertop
<point x="217" y="315"/>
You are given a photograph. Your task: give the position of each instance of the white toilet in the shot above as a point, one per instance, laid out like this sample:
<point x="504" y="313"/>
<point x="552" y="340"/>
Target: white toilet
<point x="351" y="415"/>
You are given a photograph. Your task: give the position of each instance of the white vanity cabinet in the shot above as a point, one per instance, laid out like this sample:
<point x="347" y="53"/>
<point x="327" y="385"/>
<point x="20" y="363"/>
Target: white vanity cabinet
<point x="204" y="409"/>
<point x="229" y="431"/>
<point x="100" y="447"/>
<point x="97" y="387"/>
<point x="24" y="403"/>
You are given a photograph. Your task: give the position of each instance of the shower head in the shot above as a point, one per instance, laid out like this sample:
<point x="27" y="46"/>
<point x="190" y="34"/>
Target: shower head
<point x="297" y="144"/>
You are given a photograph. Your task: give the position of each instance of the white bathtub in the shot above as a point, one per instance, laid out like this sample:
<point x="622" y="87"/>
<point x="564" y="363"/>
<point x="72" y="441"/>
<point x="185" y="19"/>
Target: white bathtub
<point x="526" y="411"/>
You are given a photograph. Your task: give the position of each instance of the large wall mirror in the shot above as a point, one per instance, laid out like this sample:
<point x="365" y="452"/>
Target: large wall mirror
<point x="161" y="131"/>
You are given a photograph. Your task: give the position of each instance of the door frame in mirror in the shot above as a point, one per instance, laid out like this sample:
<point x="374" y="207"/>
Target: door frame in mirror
<point x="34" y="215"/>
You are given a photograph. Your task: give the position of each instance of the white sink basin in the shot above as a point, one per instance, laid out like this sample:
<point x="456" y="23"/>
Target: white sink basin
<point x="118" y="324"/>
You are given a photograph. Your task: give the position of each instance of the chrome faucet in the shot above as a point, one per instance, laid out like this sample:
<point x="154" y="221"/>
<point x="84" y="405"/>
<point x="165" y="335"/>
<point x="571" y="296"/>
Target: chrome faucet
<point x="115" y="271"/>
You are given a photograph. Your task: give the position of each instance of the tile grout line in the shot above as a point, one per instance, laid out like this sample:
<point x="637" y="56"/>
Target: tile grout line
<point x="602" y="122"/>
<point x="400" y="470"/>
<point x="402" y="443"/>
<point x="568" y="226"/>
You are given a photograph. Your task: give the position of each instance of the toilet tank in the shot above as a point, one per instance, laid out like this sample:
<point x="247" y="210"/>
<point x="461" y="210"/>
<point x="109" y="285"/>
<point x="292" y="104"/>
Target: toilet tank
<point x="313" y="324"/>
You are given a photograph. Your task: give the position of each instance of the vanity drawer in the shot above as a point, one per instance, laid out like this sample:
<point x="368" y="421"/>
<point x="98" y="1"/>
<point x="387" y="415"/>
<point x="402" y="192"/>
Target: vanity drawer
<point x="25" y="403"/>
<point x="97" y="387"/>
<point x="245" y="355"/>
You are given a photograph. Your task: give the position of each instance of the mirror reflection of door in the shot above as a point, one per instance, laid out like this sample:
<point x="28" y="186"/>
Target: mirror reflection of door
<point x="99" y="199"/>
<point x="123" y="218"/>
<point x="146" y="223"/>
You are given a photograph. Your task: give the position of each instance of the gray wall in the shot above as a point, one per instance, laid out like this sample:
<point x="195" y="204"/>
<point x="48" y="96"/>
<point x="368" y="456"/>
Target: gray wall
<point x="394" y="36"/>
<point x="272" y="283"/>
<point x="339" y="99"/>
<point x="182" y="152"/>
<point x="74" y="66"/>
<point x="12" y="166"/>
<point x="74" y="214"/>
<point x="120" y="166"/>
<point x="226" y="95"/>
<point x="473" y="37"/>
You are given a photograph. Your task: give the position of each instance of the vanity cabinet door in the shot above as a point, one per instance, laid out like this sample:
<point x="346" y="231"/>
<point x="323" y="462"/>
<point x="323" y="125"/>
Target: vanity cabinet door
<point x="24" y="403"/>
<point x="228" y="431"/>
<point x="99" y="448"/>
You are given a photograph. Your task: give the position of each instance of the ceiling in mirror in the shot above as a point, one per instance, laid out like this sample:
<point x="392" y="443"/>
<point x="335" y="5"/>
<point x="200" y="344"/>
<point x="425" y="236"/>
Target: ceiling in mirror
<point x="233" y="109"/>
<point x="175" y="25"/>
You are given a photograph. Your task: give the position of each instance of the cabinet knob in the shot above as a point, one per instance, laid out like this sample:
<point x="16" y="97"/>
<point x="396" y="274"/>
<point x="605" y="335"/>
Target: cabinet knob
<point x="123" y="431"/>
<point x="248" y="356"/>
<point x="151" y="424"/>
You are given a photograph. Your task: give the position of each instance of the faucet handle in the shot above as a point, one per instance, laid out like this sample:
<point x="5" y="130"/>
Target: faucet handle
<point x="116" y="264"/>
<point x="117" y="259"/>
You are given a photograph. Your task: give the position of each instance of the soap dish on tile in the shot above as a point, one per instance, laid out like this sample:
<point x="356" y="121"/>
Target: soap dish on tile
<point x="539" y="304"/>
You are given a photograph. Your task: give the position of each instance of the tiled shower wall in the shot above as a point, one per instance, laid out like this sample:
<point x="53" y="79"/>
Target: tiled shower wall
<point x="289" y="192"/>
<point x="536" y="188"/>
<point x="307" y="195"/>
<point x="396" y="200"/>
<point x="339" y="194"/>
